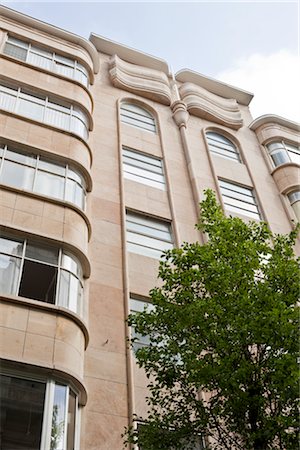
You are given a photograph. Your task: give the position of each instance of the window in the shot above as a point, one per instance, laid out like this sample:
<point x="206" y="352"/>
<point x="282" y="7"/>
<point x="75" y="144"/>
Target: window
<point x="40" y="272"/>
<point x="143" y="168"/>
<point x="136" y="306"/>
<point x="239" y="199"/>
<point x="294" y="198"/>
<point x="222" y="146"/>
<point x="25" y="51"/>
<point x="37" y="414"/>
<point x="282" y="152"/>
<point x="147" y="236"/>
<point x="43" y="109"/>
<point x="138" y="117"/>
<point x="41" y="175"/>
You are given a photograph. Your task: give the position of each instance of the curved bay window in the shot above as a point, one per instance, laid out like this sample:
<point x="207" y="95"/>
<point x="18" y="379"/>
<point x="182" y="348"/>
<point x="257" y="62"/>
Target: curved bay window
<point x="41" y="175"/>
<point x="37" y="414"/>
<point x="44" y="109"/>
<point x="282" y="152"/>
<point x="294" y="198"/>
<point x="40" y="272"/>
<point x="49" y="60"/>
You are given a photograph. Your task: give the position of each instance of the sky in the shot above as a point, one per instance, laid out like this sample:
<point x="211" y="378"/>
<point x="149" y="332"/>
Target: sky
<point x="253" y="45"/>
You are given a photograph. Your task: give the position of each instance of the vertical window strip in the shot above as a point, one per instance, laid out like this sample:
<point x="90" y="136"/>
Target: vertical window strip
<point x="37" y="56"/>
<point x="41" y="175"/>
<point x="138" y="117"/>
<point x="147" y="236"/>
<point x="143" y="168"/>
<point x="239" y="199"/>
<point x="44" y="110"/>
<point x="222" y="146"/>
<point x="136" y="306"/>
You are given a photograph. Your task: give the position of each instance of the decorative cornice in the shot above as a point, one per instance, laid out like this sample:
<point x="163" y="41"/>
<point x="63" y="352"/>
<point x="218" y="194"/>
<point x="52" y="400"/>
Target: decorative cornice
<point x="140" y="80"/>
<point x="206" y="105"/>
<point x="268" y="119"/>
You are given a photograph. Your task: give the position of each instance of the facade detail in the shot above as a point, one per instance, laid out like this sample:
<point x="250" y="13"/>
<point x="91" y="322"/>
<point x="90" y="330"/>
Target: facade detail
<point x="104" y="157"/>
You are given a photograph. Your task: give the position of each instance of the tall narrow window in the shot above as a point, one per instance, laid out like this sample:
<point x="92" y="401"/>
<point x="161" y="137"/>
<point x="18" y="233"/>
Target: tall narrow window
<point x="138" y="117"/>
<point x="147" y="236"/>
<point x="39" y="272"/>
<point x="239" y="199"/>
<point x="43" y="109"/>
<point x="136" y="306"/>
<point x="221" y="146"/>
<point x="294" y="198"/>
<point x="282" y="152"/>
<point x="143" y="168"/>
<point x="40" y="57"/>
<point x="36" y="415"/>
<point x="41" y="175"/>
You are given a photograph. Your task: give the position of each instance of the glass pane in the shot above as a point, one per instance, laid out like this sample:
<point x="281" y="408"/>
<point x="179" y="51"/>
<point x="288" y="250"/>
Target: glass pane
<point x="11" y="246"/>
<point x="15" y="52"/>
<point x="71" y="421"/>
<point x="41" y="253"/>
<point x="22" y="407"/>
<point x="78" y="127"/>
<point x="17" y="42"/>
<point x="64" y="70"/>
<point x="21" y="157"/>
<point x="17" y="175"/>
<point x="280" y="157"/>
<point x="44" y="286"/>
<point x="9" y="274"/>
<point x="31" y="109"/>
<point x="57" y="118"/>
<point x="75" y="194"/>
<point x="8" y="99"/>
<point x="39" y="60"/>
<point x="48" y="184"/>
<point x="69" y="292"/>
<point x="58" y="427"/>
<point x="50" y="166"/>
<point x="71" y="264"/>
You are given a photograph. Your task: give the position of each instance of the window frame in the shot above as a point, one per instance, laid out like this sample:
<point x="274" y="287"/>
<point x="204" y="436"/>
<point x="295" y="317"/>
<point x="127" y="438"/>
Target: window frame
<point x="283" y="150"/>
<point x="137" y="122"/>
<point x="48" y="105"/>
<point x="37" y="158"/>
<point x="254" y="214"/>
<point x="144" y="249"/>
<point x="233" y="155"/>
<point x="59" y="266"/>
<point x="147" y="160"/>
<point x="33" y="48"/>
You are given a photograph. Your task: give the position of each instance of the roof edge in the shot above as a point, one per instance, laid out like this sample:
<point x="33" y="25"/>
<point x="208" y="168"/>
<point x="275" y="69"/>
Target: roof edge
<point x="214" y="86"/>
<point x="128" y="54"/>
<point x="55" y="31"/>
<point x="271" y="118"/>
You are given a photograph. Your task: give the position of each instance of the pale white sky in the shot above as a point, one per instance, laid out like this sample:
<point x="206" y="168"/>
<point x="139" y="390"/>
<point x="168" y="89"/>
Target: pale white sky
<point x="253" y="45"/>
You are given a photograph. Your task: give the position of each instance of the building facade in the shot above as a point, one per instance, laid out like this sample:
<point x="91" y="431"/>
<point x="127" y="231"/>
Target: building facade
<point x="104" y="158"/>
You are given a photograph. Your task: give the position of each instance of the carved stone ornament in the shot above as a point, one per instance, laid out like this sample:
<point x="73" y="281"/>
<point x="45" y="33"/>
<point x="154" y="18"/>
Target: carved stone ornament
<point x="206" y="105"/>
<point x="140" y="80"/>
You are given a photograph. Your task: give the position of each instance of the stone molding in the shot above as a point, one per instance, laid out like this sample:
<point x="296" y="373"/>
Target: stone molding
<point x="206" y="105"/>
<point x="139" y="80"/>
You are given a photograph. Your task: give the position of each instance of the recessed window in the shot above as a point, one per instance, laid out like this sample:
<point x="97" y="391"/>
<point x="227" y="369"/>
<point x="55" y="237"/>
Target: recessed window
<point x="282" y="152"/>
<point x="40" y="57"/>
<point x="147" y="236"/>
<point x="136" y="306"/>
<point x="43" y="109"/>
<point x="40" y="272"/>
<point x="239" y="199"/>
<point x="221" y="146"/>
<point x="294" y="198"/>
<point x="138" y="117"/>
<point x="37" y="415"/>
<point x="41" y="175"/>
<point x="143" y="168"/>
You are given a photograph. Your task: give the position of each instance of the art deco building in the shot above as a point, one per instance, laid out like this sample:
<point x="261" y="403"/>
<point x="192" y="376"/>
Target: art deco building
<point x="103" y="161"/>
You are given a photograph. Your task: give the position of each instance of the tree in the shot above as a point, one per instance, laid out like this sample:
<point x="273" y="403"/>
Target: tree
<point x="222" y="361"/>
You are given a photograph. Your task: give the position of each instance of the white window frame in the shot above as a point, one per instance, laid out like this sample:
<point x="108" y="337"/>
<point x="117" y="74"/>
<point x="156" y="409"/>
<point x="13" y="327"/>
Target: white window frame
<point x="281" y="152"/>
<point x="69" y="170"/>
<point x="59" y="266"/>
<point x="239" y="199"/>
<point x="147" y="236"/>
<point x="220" y="145"/>
<point x="73" y="113"/>
<point x="138" y="117"/>
<point x="143" y="168"/>
<point x="46" y="429"/>
<point x="79" y="74"/>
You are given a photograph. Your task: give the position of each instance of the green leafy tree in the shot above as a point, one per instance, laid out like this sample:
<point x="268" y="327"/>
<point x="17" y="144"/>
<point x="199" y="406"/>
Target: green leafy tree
<point x="222" y="362"/>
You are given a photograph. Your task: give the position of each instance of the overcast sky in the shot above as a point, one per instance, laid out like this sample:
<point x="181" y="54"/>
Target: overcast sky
<point x="253" y="45"/>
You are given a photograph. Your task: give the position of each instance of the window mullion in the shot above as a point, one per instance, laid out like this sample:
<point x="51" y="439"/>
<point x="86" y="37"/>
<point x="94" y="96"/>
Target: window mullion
<point x="58" y="276"/>
<point x="21" y="266"/>
<point x="66" y="418"/>
<point x="47" y="418"/>
<point x="2" y="160"/>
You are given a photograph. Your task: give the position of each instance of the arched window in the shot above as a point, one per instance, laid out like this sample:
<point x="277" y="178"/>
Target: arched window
<point x="221" y="146"/>
<point x="281" y="153"/>
<point x="138" y="117"/>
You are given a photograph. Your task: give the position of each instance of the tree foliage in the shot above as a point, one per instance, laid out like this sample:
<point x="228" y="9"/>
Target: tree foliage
<point x="224" y="340"/>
